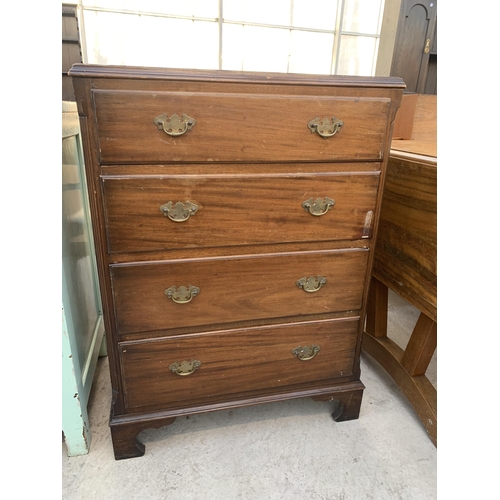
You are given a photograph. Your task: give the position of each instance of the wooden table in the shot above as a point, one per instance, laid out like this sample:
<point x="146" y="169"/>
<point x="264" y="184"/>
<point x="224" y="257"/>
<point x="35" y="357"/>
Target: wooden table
<point x="406" y="262"/>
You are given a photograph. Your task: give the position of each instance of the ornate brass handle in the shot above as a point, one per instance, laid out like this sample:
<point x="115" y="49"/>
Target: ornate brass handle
<point x="325" y="127"/>
<point x="307" y="352"/>
<point x="179" y="212"/>
<point x="183" y="294"/>
<point x="319" y="206"/>
<point x="311" y="284"/>
<point x="173" y="125"/>
<point x="185" y="367"/>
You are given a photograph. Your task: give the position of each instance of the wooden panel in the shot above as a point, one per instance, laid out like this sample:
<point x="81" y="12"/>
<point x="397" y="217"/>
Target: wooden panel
<point x="236" y="361"/>
<point x="425" y="122"/>
<point x="228" y="203"/>
<point x="416" y="119"/>
<point x="236" y="289"/>
<point x="423" y="148"/>
<point x="403" y="123"/>
<point x="237" y="127"/>
<point x="416" y="25"/>
<point x="406" y="250"/>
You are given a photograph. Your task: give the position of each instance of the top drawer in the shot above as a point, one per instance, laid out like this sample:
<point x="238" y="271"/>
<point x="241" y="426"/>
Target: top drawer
<point x="237" y="127"/>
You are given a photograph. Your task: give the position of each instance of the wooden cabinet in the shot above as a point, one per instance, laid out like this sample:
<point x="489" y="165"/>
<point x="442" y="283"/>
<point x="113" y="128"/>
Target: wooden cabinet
<point x="234" y="216"/>
<point x="415" y="50"/>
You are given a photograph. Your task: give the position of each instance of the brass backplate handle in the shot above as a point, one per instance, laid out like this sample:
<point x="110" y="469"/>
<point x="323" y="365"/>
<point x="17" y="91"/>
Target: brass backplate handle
<point x="325" y="127"/>
<point x="307" y="352"/>
<point x="173" y="125"/>
<point x="311" y="284"/>
<point x="179" y="212"/>
<point x="185" y="367"/>
<point x="183" y="294"/>
<point x="318" y="206"/>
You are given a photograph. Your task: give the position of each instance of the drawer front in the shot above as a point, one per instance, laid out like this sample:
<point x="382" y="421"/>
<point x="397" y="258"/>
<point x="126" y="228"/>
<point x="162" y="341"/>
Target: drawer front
<point x="237" y="127"/>
<point x="236" y="210"/>
<point x="236" y="361"/>
<point x="233" y="289"/>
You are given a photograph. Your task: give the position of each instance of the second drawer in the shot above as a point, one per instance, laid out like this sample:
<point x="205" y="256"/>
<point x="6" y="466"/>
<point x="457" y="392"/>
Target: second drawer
<point x="186" y="293"/>
<point x="188" y="211"/>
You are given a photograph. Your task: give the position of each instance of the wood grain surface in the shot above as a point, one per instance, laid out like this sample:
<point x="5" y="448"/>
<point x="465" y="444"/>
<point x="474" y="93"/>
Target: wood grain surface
<point x="236" y="289"/>
<point x="249" y="163"/>
<point x="406" y="250"/>
<point x="236" y="362"/>
<point x="237" y="127"/>
<point x="236" y="210"/>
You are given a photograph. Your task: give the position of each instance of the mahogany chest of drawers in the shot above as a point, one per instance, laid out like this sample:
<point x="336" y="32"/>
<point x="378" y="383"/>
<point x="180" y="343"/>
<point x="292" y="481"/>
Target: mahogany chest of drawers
<point x="234" y="217"/>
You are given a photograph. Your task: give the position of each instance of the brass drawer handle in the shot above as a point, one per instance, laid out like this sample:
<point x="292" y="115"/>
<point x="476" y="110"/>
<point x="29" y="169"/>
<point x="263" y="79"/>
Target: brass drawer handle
<point x="311" y="284"/>
<point x="179" y="212"/>
<point x="185" y="368"/>
<point x="318" y="206"/>
<point x="307" y="352"/>
<point x="183" y="294"/>
<point x="173" y="125"/>
<point x="326" y="127"/>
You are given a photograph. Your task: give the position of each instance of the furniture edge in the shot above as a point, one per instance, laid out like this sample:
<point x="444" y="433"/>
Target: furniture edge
<point x="143" y="73"/>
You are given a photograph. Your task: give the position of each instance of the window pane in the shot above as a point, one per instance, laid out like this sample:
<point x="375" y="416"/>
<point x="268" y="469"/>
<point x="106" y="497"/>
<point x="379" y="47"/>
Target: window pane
<point x="198" y="8"/>
<point x="363" y="16"/>
<point x="357" y="55"/>
<point x="320" y="14"/>
<point x="258" y="11"/>
<point x="249" y="48"/>
<point x="126" y="39"/>
<point x="310" y="52"/>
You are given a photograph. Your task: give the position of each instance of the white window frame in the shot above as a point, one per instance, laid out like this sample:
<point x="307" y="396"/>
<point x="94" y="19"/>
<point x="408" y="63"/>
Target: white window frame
<point x="337" y="32"/>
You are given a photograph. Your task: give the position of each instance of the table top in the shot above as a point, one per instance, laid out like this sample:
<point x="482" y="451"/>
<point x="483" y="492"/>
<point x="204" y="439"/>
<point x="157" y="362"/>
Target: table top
<point x="424" y="148"/>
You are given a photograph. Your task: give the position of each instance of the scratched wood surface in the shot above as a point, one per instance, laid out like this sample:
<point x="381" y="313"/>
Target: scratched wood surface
<point x="406" y="249"/>
<point x="236" y="361"/>
<point x="227" y="204"/>
<point x="237" y="127"/>
<point x="252" y="154"/>
<point x="236" y="289"/>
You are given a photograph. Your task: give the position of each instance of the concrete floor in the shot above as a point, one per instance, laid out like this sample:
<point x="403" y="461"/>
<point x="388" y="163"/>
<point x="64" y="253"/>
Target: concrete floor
<point x="288" y="450"/>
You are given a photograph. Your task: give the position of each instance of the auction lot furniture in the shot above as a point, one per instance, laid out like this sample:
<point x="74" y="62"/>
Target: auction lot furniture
<point x="234" y="215"/>
<point x="406" y="256"/>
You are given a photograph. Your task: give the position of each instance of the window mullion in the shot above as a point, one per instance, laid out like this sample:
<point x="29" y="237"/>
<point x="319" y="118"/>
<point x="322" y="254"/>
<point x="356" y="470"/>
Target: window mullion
<point x="336" y="39"/>
<point x="220" y="31"/>
<point x="290" y="37"/>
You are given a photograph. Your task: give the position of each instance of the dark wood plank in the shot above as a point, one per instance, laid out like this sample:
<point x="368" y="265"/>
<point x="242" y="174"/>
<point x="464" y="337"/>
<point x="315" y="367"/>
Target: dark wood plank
<point x="421" y="346"/>
<point x="376" y="309"/>
<point x="290" y="79"/>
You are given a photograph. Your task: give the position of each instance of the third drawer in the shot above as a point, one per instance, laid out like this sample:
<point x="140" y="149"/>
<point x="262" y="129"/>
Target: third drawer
<point x="166" y="295"/>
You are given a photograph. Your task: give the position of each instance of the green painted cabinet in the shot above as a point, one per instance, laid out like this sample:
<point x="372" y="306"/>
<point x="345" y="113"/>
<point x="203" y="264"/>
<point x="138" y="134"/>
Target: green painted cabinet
<point x="82" y="322"/>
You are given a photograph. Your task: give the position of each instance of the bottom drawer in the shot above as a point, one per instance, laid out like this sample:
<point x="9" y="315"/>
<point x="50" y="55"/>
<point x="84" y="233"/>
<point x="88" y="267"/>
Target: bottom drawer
<point x="189" y="370"/>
